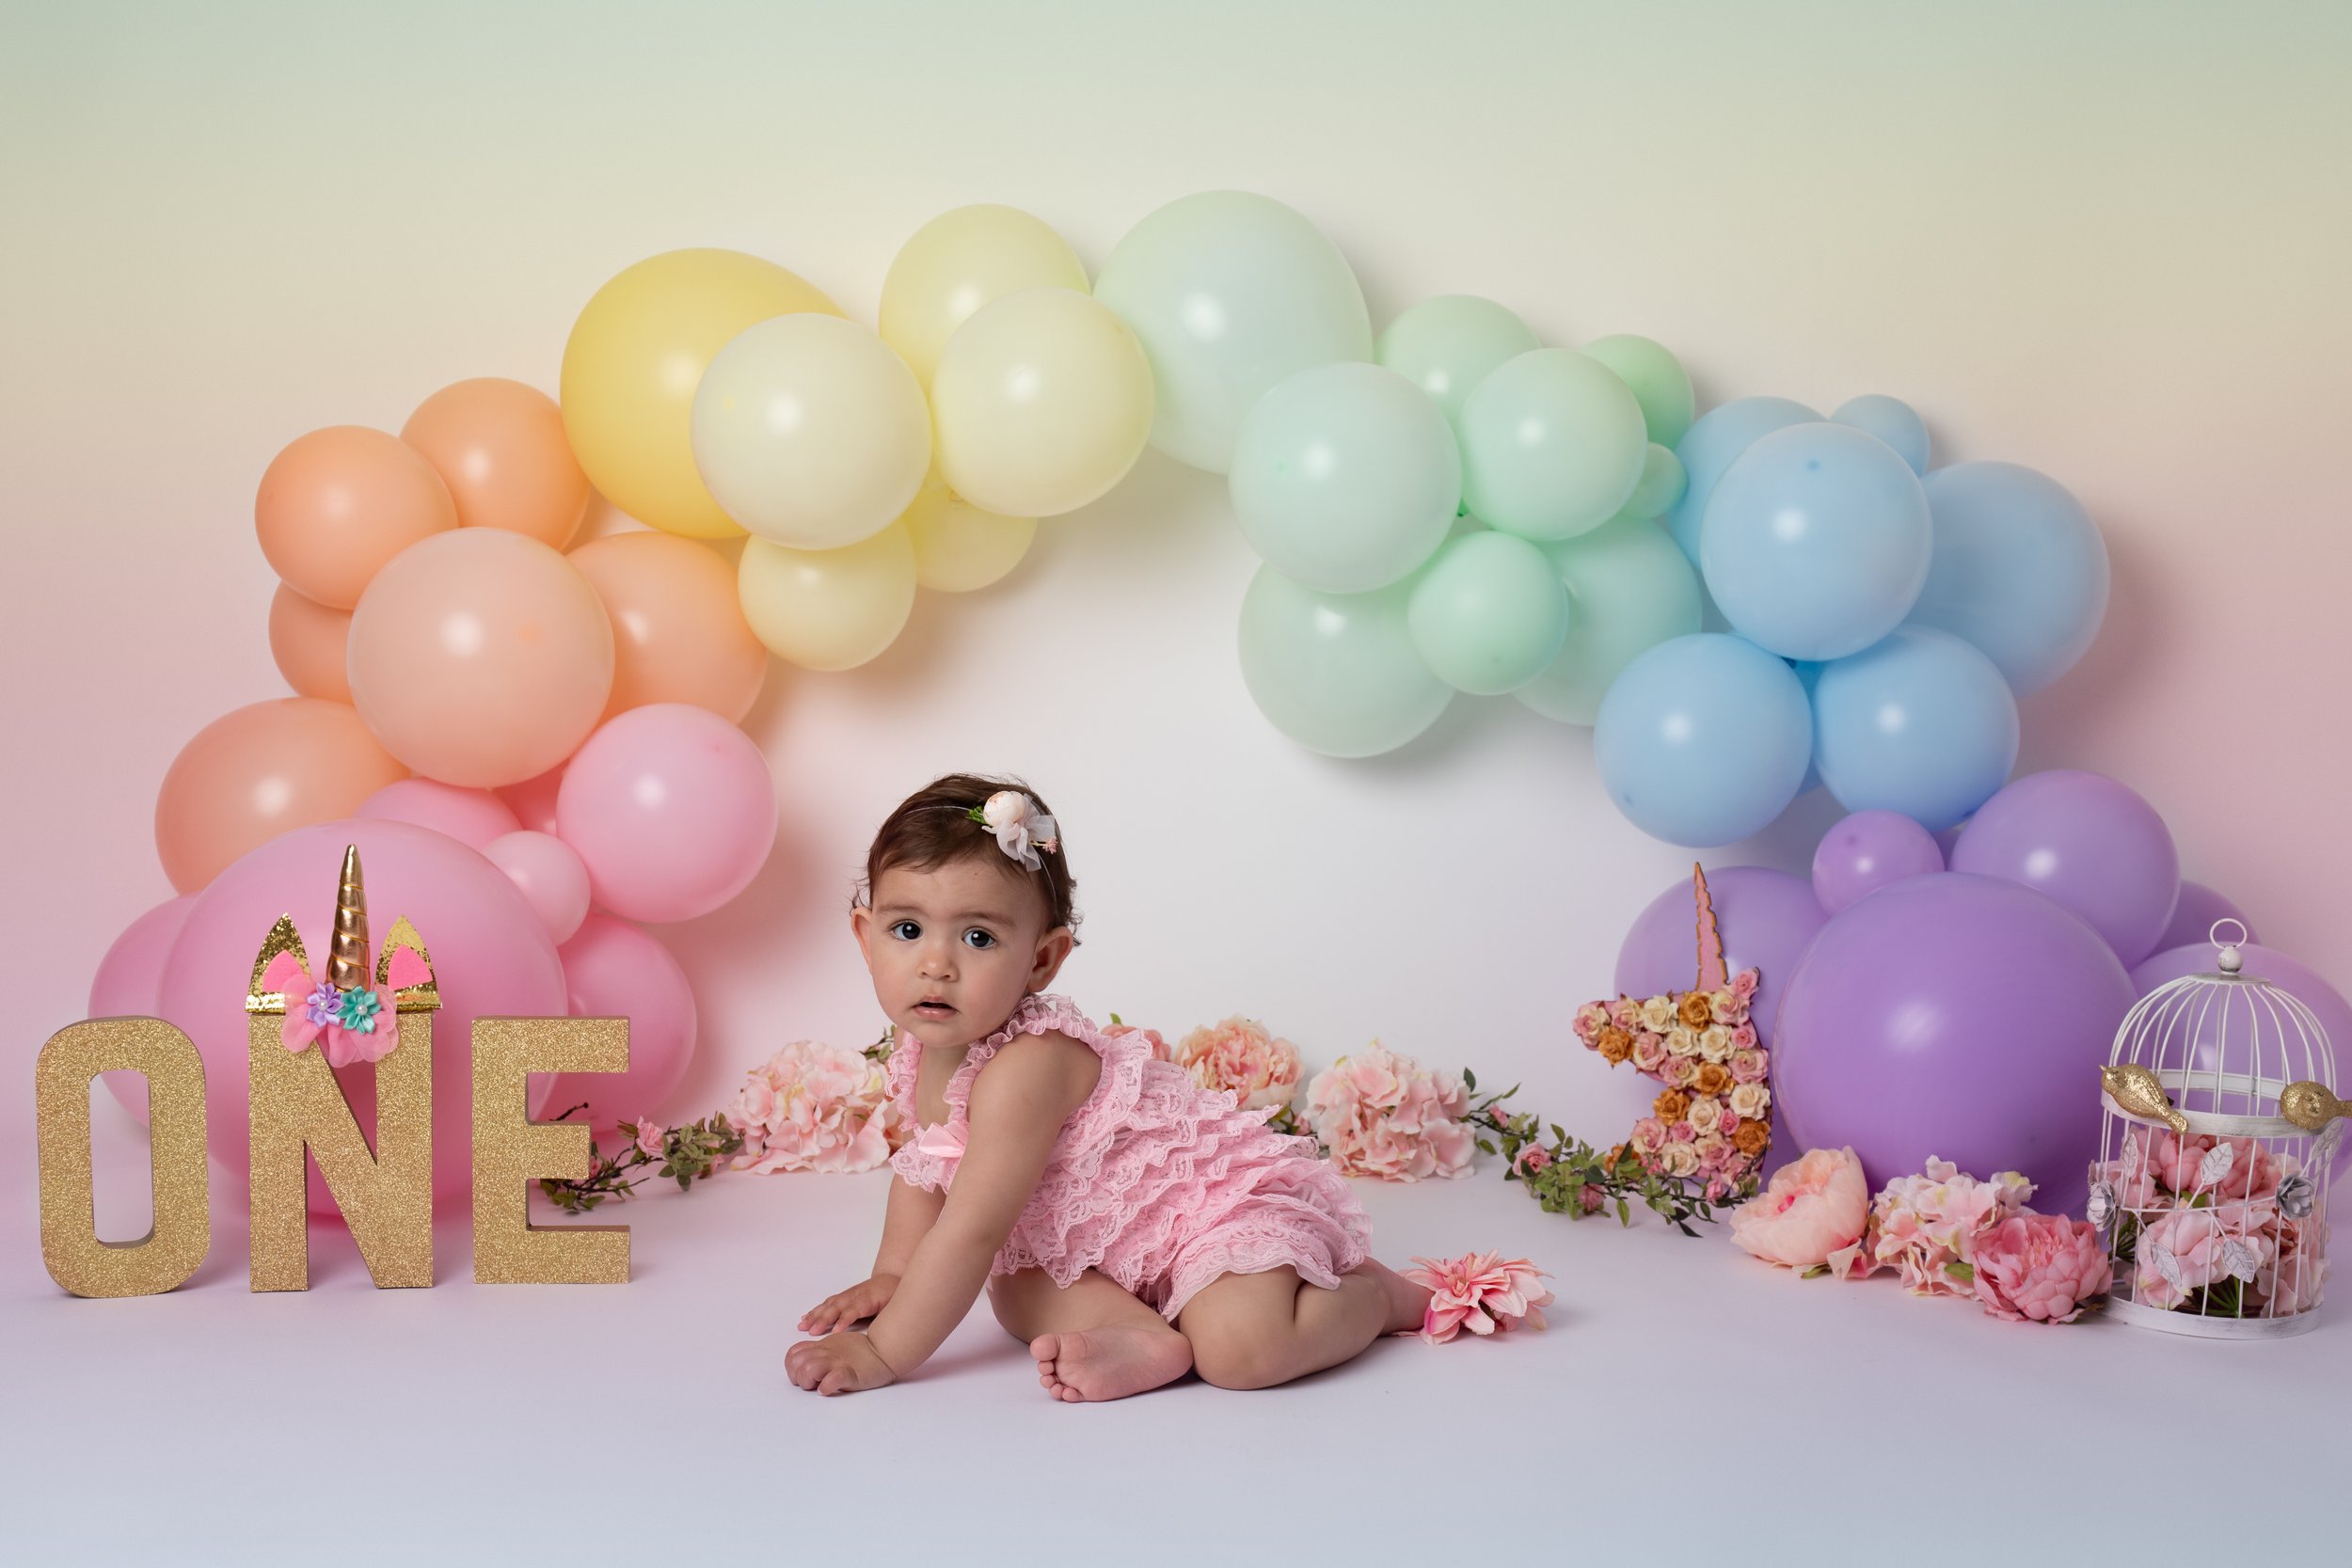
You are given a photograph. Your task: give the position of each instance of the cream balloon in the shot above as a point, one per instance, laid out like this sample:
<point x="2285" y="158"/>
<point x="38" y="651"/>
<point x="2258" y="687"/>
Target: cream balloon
<point x="810" y="432"/>
<point x="828" y="609"/>
<point x="959" y="547"/>
<point x="1042" y="402"/>
<point x="959" y="261"/>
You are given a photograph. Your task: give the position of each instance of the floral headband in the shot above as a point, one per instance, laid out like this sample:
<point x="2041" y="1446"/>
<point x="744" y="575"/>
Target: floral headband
<point x="1022" y="827"/>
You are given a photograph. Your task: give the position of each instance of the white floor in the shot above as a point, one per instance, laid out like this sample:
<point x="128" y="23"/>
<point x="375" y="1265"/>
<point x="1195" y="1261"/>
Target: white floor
<point x="1686" y="1405"/>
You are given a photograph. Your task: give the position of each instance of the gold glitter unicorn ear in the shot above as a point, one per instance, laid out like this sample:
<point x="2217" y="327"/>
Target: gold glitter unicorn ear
<point x="347" y="962"/>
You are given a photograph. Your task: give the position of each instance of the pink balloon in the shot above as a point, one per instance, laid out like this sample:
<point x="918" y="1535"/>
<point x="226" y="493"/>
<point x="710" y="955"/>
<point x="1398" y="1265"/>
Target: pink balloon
<point x="616" y="971"/>
<point x="472" y="816"/>
<point x="124" y="985"/>
<point x="672" y="809"/>
<point x="532" y="801"/>
<point x="491" y="957"/>
<point x="549" y="874"/>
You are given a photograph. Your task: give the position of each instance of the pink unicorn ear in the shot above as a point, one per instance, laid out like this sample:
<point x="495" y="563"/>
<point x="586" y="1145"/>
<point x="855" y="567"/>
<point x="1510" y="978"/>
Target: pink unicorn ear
<point x="285" y="973"/>
<point x="405" y="968"/>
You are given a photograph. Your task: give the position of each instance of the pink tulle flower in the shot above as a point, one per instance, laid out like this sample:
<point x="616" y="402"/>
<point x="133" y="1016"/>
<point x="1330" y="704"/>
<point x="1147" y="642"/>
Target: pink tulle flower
<point x="1386" y="1115"/>
<point x="814" y="1107"/>
<point x="1479" y="1291"/>
<point x="1238" y="1054"/>
<point x="1812" y="1206"/>
<point x="2040" y="1268"/>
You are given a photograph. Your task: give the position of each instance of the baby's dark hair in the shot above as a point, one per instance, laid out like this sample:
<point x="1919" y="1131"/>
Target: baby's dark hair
<point x="933" y="825"/>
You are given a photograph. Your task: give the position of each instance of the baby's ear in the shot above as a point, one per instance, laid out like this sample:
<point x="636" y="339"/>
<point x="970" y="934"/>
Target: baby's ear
<point x="1053" y="949"/>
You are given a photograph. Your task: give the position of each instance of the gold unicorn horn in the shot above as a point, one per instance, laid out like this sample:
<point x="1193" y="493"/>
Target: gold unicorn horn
<point x="347" y="963"/>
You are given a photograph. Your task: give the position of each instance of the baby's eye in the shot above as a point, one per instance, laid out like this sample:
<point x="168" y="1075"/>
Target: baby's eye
<point x="979" y="938"/>
<point x="906" y="930"/>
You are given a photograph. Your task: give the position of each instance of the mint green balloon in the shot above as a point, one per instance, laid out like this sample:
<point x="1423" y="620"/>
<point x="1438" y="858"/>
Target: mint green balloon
<point x="1336" y="671"/>
<point x="1488" y="613"/>
<point x="1630" y="588"/>
<point x="1660" y="485"/>
<point x="1229" y="293"/>
<point x="1660" y="384"/>
<point x="1345" y="477"/>
<point x="1446" y="345"/>
<point x="1552" y="445"/>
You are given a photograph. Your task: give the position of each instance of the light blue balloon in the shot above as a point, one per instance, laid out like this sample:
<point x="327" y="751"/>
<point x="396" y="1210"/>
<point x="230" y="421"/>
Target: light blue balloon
<point x="1337" y="673"/>
<point x="1921" y="724"/>
<point x="1892" y="422"/>
<point x="1816" y="541"/>
<point x="1487" y="613"/>
<point x="1709" y="448"/>
<point x="1552" y="445"/>
<point x="1345" y="477"/>
<point x="2019" y="570"/>
<point x="1229" y="293"/>
<point x="1446" y="345"/>
<point x="1628" y="591"/>
<point x="1703" y="741"/>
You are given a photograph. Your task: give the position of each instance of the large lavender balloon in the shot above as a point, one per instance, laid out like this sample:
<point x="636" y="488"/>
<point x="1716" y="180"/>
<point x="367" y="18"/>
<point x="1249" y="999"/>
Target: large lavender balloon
<point x="2087" y="841"/>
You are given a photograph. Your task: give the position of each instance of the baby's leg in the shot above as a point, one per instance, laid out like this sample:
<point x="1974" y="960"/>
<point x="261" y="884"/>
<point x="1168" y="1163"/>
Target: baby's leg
<point x="1092" y="1340"/>
<point x="1256" y="1330"/>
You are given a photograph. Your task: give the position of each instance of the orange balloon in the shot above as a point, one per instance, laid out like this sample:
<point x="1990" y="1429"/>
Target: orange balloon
<point x="307" y="639"/>
<point x="263" y="770"/>
<point x="481" y="658"/>
<point x="678" y="628"/>
<point x="338" y="502"/>
<point x="500" y="447"/>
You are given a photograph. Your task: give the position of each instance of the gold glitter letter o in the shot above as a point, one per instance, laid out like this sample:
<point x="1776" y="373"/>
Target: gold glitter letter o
<point x="175" y="1245"/>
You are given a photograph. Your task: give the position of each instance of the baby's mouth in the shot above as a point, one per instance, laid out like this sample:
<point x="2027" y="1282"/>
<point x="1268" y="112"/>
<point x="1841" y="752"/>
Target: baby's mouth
<point x="933" y="1009"/>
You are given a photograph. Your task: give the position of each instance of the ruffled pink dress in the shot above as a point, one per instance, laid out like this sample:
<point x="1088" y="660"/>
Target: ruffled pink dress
<point x="1157" y="1183"/>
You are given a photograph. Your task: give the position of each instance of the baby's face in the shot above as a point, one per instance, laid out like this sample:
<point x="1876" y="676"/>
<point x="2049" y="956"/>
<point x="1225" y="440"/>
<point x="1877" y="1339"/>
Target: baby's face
<point x="953" y="950"/>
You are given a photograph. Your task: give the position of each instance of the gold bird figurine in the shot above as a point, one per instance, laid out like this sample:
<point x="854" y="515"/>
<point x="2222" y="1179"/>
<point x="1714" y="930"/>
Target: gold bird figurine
<point x="2139" y="1091"/>
<point x="2309" y="1105"/>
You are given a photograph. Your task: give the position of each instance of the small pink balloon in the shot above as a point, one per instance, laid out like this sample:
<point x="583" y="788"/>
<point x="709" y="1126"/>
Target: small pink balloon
<point x="472" y="816"/>
<point x="615" y="969"/>
<point x="532" y="801"/>
<point x="548" y="873"/>
<point x="491" y="958"/>
<point x="124" y="985"/>
<point x="672" y="809"/>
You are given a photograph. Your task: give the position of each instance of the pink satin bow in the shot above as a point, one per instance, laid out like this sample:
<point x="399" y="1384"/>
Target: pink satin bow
<point x="341" y="1046"/>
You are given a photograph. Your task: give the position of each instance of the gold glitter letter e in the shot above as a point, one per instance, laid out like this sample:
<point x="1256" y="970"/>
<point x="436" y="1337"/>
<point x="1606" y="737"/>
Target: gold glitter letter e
<point x="510" y="1149"/>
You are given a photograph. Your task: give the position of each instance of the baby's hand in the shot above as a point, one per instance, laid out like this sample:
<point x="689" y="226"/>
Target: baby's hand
<point x="841" y="1309"/>
<point x="842" y="1363"/>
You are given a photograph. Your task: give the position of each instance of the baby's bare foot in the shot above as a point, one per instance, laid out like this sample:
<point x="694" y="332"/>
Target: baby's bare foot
<point x="1109" y="1363"/>
<point x="1408" y="1303"/>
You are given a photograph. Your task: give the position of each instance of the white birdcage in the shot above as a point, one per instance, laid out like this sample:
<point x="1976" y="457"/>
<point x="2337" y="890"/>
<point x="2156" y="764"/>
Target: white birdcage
<point x="2211" y="1190"/>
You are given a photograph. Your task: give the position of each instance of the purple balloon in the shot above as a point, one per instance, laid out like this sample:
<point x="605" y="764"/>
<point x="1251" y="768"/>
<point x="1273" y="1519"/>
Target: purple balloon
<point x="2194" y="916"/>
<point x="2290" y="976"/>
<point x="1869" y="850"/>
<point x="1766" y="918"/>
<point x="1955" y="1016"/>
<point x="2085" y="842"/>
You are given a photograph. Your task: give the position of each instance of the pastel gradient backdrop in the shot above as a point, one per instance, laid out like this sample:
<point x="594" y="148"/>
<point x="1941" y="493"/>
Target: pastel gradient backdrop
<point x="2110" y="241"/>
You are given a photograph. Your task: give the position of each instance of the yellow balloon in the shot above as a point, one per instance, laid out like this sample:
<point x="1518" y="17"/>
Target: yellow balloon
<point x="1043" y="402"/>
<point x="828" y="609"/>
<point x="632" y="365"/>
<point x="959" y="261"/>
<point x="959" y="547"/>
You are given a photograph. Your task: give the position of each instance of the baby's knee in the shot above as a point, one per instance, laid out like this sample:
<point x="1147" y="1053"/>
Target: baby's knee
<point x="1231" y="1359"/>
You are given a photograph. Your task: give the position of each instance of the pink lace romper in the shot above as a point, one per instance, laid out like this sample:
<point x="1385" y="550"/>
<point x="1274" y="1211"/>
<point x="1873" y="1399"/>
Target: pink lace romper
<point x="1157" y="1183"/>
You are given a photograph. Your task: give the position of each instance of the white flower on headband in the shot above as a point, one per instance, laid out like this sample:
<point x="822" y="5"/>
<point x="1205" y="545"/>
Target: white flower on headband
<point x="1018" y="824"/>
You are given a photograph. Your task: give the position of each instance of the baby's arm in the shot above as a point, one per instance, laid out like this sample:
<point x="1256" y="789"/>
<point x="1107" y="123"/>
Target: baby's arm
<point x="911" y="1213"/>
<point x="1018" y="1104"/>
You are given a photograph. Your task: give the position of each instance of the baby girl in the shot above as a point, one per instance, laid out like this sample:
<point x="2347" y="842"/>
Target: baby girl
<point x="1128" y="1225"/>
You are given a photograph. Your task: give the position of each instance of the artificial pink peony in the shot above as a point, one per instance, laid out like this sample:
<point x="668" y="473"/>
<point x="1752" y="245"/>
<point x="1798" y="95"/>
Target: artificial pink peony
<point x="1812" y="1206"/>
<point x="814" y="1107"/>
<point x="2290" y="1281"/>
<point x="1160" y="1052"/>
<point x="2183" y="1251"/>
<point x="2178" y="1161"/>
<point x="1386" y="1115"/>
<point x="2040" y="1268"/>
<point x="649" y="1139"/>
<point x="1481" y="1293"/>
<point x="1239" y="1055"/>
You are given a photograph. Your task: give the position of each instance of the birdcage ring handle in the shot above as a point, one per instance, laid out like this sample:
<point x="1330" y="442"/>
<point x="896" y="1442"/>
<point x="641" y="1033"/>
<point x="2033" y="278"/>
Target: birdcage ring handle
<point x="2214" y="936"/>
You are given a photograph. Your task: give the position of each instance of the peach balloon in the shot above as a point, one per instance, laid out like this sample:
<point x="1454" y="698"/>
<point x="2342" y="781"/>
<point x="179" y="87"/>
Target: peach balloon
<point x="500" y="447"/>
<point x="481" y="658"/>
<point x="340" y="502"/>
<point x="679" y="631"/>
<point x="307" y="639"/>
<point x="257" y="772"/>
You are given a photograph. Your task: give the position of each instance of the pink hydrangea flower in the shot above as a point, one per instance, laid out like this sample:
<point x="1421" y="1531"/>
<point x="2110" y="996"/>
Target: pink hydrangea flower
<point x="1239" y="1055"/>
<point x="819" y="1107"/>
<point x="1921" y="1226"/>
<point x="2040" y="1268"/>
<point x="1384" y="1114"/>
<point x="1480" y="1291"/>
<point x="1813" y="1206"/>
